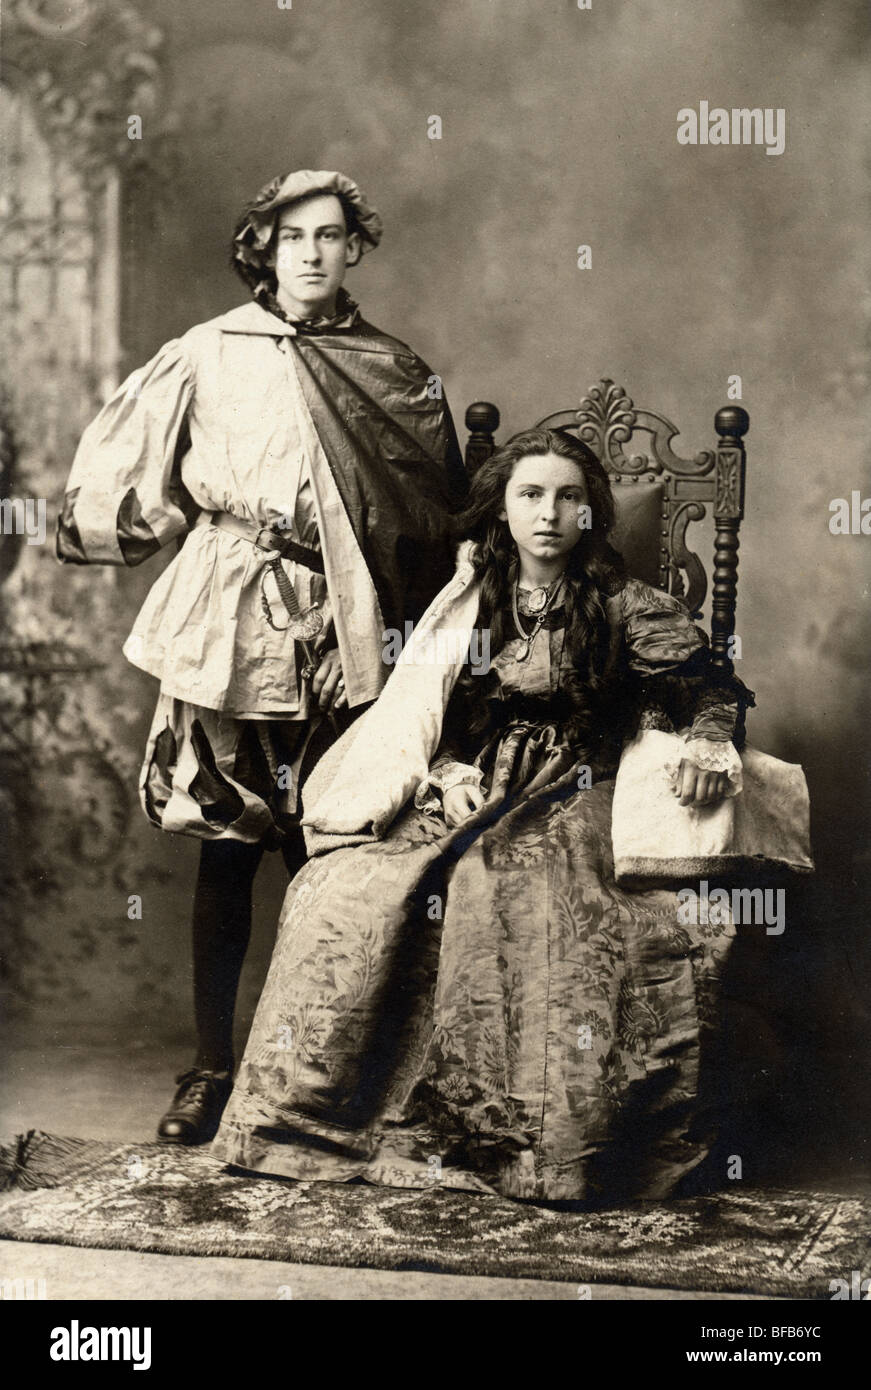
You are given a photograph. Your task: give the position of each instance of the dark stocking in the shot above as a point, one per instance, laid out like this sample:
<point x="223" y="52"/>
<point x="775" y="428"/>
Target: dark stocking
<point x="221" y="930"/>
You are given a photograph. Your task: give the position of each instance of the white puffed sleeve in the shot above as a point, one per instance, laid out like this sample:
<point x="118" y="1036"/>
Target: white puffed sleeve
<point x="125" y="499"/>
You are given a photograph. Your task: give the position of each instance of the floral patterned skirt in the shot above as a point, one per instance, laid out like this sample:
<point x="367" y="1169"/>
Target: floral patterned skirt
<point x="484" y="1008"/>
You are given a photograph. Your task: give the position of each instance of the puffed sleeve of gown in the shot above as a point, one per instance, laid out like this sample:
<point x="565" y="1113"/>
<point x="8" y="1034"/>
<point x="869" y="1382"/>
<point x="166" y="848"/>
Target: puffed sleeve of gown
<point x="672" y="658"/>
<point x="125" y="498"/>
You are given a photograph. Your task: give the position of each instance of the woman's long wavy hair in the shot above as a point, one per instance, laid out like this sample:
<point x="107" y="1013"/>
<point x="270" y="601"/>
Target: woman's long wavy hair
<point x="594" y="571"/>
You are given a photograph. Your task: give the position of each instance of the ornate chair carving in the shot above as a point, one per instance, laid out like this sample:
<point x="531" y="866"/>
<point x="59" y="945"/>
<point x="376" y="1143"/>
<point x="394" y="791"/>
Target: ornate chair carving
<point x="657" y="493"/>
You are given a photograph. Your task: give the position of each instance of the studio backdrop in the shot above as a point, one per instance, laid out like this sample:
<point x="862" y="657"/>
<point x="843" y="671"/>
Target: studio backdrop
<point x="544" y="227"/>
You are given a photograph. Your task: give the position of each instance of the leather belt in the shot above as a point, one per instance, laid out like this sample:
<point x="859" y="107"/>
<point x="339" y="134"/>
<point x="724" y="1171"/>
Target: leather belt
<point x="267" y="538"/>
<point x="303" y="624"/>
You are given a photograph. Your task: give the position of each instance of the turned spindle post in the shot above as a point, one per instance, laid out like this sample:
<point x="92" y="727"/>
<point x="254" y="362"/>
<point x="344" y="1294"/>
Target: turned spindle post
<point x="731" y="423"/>
<point x="482" y="422"/>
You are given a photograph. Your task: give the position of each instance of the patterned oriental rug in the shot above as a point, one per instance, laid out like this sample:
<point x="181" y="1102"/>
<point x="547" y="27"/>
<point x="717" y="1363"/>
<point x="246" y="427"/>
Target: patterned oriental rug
<point x="167" y="1200"/>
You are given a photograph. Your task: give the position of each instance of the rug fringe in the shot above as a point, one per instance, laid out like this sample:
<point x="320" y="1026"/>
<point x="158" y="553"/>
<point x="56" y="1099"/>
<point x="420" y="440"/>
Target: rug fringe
<point x="37" y="1159"/>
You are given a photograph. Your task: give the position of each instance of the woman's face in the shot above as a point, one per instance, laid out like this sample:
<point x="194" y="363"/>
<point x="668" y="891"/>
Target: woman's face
<point x="546" y="507"/>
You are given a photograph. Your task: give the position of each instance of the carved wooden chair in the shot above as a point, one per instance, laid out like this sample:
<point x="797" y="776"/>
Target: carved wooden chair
<point x="657" y="494"/>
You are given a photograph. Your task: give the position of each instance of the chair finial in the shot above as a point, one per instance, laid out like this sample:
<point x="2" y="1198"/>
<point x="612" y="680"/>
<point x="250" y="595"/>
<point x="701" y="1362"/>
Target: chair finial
<point x="731" y="421"/>
<point x="482" y="417"/>
<point x="482" y="421"/>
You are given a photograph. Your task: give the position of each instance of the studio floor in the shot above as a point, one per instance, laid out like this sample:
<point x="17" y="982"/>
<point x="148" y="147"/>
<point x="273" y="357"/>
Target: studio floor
<point x="102" y="1092"/>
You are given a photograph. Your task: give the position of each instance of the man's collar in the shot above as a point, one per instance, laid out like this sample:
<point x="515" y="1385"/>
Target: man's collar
<point x="256" y="318"/>
<point x="345" y="314"/>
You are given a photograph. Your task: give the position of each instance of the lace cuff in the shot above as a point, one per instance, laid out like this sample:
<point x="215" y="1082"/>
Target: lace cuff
<point x="710" y="755"/>
<point x="440" y="778"/>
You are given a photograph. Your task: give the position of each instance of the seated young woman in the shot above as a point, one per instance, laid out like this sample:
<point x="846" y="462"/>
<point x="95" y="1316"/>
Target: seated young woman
<point x="460" y="992"/>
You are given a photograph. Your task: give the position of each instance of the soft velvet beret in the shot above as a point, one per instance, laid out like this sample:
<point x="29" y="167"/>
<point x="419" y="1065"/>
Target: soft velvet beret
<point x="256" y="233"/>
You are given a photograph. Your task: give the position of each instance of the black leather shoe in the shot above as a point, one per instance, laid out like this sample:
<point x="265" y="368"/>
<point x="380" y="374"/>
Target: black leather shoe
<point x="197" y="1106"/>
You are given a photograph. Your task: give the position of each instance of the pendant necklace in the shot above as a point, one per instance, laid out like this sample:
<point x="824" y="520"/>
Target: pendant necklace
<point x="538" y="599"/>
<point x="540" y="602"/>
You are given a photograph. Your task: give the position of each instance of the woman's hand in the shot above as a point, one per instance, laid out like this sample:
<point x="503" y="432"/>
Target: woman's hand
<point x="695" y="787"/>
<point x="328" y="685"/>
<point x="460" y="802"/>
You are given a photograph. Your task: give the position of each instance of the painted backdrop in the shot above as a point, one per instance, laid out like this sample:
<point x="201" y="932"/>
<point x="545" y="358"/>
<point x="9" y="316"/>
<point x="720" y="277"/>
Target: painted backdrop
<point x="558" y="129"/>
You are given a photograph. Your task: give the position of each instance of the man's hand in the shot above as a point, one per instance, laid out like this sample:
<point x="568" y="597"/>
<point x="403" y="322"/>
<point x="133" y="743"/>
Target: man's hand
<point x="698" y="788"/>
<point x="328" y="685"/>
<point x="461" y="802"/>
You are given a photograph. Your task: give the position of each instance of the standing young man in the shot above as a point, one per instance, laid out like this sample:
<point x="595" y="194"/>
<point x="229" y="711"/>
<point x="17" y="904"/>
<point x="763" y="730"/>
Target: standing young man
<point x="314" y="466"/>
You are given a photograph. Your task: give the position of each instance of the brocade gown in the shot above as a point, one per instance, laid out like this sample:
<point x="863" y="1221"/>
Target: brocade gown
<point x="484" y="1007"/>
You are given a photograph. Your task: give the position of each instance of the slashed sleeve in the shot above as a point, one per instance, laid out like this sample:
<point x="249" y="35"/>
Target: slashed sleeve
<point x="672" y="659"/>
<point x="125" y="498"/>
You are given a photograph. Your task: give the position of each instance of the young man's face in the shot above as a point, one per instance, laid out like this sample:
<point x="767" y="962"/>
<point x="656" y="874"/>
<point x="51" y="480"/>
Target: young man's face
<point x="312" y="252"/>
